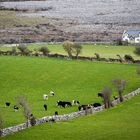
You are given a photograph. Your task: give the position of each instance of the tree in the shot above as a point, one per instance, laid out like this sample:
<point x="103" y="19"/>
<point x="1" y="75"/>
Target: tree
<point x="106" y="97"/>
<point x="137" y="50"/>
<point x="120" y="85"/>
<point x="138" y="71"/>
<point x="1" y="125"/>
<point x="129" y="58"/>
<point x="23" y="49"/>
<point x="97" y="56"/>
<point x="68" y="47"/>
<point x="77" y="48"/>
<point x="44" y="50"/>
<point x="22" y="101"/>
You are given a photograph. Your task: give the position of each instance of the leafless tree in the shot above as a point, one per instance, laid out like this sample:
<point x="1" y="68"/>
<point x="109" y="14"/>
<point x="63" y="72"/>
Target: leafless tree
<point x="120" y="85"/>
<point x="22" y="100"/>
<point x="77" y="49"/>
<point x="106" y="97"/>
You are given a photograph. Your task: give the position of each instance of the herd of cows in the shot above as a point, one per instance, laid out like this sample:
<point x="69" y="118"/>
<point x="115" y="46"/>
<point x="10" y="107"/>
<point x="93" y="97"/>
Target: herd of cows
<point x="63" y="104"/>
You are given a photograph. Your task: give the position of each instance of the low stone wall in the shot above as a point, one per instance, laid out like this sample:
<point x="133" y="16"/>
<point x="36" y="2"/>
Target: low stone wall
<point x="70" y="116"/>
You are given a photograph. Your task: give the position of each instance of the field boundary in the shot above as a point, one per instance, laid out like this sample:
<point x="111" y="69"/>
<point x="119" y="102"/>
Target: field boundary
<point x="13" y="129"/>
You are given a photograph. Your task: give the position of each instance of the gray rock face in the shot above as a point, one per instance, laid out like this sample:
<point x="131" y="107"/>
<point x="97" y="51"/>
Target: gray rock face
<point x="70" y="116"/>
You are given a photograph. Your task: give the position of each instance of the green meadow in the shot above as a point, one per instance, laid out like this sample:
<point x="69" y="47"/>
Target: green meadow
<point x="69" y="79"/>
<point x="106" y="51"/>
<point x="118" y="123"/>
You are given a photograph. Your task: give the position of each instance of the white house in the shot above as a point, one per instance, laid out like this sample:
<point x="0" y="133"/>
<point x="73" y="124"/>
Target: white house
<point x="131" y="36"/>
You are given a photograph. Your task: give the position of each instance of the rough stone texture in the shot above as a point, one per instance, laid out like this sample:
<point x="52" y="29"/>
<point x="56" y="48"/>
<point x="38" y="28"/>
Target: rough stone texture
<point x="70" y="116"/>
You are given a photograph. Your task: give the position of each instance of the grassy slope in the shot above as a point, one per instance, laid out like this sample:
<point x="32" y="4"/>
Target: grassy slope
<point x="89" y="50"/>
<point x="8" y="19"/>
<point x="118" y="123"/>
<point x="80" y="80"/>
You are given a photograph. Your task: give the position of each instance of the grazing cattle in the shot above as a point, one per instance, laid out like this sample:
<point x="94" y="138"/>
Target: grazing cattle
<point x="55" y="113"/>
<point x="45" y="97"/>
<point x="45" y="107"/>
<point x="75" y="102"/>
<point x="51" y="93"/>
<point x="115" y="98"/>
<point x="96" y="104"/>
<point x="84" y="107"/>
<point x="63" y="103"/>
<point x="100" y="94"/>
<point x="7" y="104"/>
<point x="16" y="108"/>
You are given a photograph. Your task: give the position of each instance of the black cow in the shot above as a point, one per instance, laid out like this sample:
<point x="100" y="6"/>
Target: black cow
<point x="96" y="104"/>
<point x="7" y="104"/>
<point x="45" y="107"/>
<point x="55" y="113"/>
<point x="100" y="94"/>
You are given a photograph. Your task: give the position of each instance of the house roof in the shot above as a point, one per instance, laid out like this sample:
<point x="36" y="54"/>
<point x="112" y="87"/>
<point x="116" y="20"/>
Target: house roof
<point x="133" y="33"/>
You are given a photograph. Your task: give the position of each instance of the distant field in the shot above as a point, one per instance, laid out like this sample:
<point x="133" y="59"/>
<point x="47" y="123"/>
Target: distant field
<point x="80" y="80"/>
<point x="107" y="51"/>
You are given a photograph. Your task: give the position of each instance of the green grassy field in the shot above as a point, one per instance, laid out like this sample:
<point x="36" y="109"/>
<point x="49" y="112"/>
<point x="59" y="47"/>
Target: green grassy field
<point x="107" y="51"/>
<point x="80" y="80"/>
<point x="118" y="123"/>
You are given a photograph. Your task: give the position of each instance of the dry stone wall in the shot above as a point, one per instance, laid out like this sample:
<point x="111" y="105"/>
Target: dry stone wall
<point x="70" y="116"/>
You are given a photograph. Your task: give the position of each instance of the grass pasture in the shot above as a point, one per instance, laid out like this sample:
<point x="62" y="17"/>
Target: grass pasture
<point x="106" y="51"/>
<point x="80" y="80"/>
<point x="118" y="123"/>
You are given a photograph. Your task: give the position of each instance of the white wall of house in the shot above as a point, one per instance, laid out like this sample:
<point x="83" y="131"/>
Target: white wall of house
<point x="130" y="40"/>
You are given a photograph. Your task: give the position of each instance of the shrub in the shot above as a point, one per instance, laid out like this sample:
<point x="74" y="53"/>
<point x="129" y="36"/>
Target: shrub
<point x="23" y="49"/>
<point x="137" y="50"/>
<point x="44" y="50"/>
<point x="128" y="57"/>
<point x="97" y="56"/>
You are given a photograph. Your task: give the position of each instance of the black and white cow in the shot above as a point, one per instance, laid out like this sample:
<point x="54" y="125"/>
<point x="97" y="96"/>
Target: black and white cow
<point x="84" y="107"/>
<point x="52" y="93"/>
<point x="45" y="97"/>
<point x="96" y="104"/>
<point x="75" y="102"/>
<point x="16" y="108"/>
<point x="63" y="103"/>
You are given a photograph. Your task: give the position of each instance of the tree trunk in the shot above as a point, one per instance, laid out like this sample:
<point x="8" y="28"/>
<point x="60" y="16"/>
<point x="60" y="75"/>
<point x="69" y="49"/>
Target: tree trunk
<point x="120" y="96"/>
